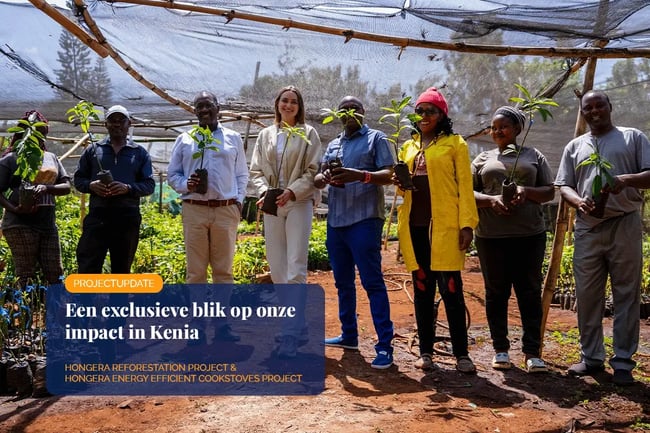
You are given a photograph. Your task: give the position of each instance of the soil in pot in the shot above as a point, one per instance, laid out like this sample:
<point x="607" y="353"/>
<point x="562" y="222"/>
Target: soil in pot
<point x="269" y="205"/>
<point x="202" y="186"/>
<point x="403" y="175"/>
<point x="105" y="176"/>
<point x="508" y="191"/>
<point x="600" y="204"/>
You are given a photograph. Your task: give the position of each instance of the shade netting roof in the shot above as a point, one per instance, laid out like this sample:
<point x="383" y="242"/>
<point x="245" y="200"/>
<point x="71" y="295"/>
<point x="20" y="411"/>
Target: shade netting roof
<point x="178" y="49"/>
<point x="183" y="51"/>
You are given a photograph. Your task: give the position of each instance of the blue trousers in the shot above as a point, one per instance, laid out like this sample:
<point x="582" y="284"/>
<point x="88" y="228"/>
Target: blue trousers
<point x="360" y="245"/>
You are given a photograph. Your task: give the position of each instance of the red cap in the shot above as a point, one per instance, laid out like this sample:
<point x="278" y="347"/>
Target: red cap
<point x="432" y="96"/>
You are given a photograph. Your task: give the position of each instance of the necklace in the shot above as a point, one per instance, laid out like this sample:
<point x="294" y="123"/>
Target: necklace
<point x="422" y="148"/>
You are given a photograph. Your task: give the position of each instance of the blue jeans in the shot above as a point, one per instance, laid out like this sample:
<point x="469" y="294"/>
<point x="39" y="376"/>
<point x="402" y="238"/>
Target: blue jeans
<point x="360" y="244"/>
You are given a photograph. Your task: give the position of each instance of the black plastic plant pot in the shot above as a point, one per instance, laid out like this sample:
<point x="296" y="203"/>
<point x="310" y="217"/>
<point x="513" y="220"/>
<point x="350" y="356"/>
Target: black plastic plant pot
<point x="600" y="203"/>
<point x="508" y="191"/>
<point x="105" y="176"/>
<point x="333" y="165"/>
<point x="403" y="175"/>
<point x="269" y="205"/>
<point x="26" y="195"/>
<point x="202" y="186"/>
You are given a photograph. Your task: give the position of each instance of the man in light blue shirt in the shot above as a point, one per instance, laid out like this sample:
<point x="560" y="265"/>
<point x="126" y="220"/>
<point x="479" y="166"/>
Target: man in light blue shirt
<point x="355" y="220"/>
<point x="210" y="219"/>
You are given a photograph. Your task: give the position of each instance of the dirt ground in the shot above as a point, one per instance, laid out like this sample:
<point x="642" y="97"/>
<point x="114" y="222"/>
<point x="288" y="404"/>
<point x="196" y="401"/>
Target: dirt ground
<point x="401" y="399"/>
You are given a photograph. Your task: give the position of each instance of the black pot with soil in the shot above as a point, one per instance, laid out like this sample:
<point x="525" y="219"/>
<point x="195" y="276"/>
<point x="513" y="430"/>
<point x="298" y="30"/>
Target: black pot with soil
<point x="105" y="177"/>
<point x="600" y="203"/>
<point x="508" y="191"/>
<point x="202" y="186"/>
<point x="403" y="175"/>
<point x="26" y="195"/>
<point x="269" y="205"/>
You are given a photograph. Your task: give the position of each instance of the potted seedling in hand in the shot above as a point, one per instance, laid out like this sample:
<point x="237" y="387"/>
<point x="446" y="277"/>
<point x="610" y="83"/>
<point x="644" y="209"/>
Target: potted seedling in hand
<point x="269" y="203"/>
<point x="29" y="156"/>
<point x="529" y="105"/>
<point x="399" y="121"/>
<point x="340" y="114"/>
<point x="83" y="113"/>
<point x="203" y="138"/>
<point x="602" y="166"/>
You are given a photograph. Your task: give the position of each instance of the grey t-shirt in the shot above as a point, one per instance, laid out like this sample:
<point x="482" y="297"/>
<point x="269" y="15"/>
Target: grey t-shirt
<point x="627" y="149"/>
<point x="489" y="170"/>
<point x="50" y="173"/>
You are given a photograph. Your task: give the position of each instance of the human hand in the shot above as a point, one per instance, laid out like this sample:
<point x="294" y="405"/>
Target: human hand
<point x="499" y="206"/>
<point x="343" y="175"/>
<point x="286" y="196"/>
<point x="520" y="196"/>
<point x="99" y="188"/>
<point x="192" y="182"/>
<point x="117" y="188"/>
<point x="465" y="238"/>
<point x="22" y="210"/>
<point x="586" y="205"/>
<point x="39" y="191"/>
<point x="618" y="185"/>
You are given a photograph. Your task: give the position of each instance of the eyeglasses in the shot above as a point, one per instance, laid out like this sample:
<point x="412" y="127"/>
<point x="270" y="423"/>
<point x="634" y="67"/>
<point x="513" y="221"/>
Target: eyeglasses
<point x="427" y="112"/>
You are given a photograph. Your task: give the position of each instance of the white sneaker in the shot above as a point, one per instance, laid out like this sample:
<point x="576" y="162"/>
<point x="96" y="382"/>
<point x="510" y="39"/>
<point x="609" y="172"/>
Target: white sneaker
<point x="501" y="361"/>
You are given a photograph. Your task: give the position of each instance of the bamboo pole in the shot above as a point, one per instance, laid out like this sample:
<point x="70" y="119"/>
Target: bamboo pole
<point x="70" y="26"/>
<point x="564" y="215"/>
<point x="403" y="43"/>
<point x="122" y="63"/>
<point x="80" y="142"/>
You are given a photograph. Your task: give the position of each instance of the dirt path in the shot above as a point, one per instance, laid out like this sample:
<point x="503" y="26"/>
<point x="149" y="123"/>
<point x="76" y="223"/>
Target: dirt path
<point x="401" y="399"/>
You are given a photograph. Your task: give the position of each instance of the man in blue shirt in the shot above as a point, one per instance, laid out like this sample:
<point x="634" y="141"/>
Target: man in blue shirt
<point x="113" y="221"/>
<point x="355" y="220"/>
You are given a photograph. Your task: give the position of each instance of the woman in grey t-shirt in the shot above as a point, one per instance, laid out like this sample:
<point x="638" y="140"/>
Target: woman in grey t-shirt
<point x="511" y="237"/>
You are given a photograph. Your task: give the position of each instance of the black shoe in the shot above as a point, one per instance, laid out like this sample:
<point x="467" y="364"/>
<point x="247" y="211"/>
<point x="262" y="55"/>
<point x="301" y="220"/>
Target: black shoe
<point x="623" y="377"/>
<point x="225" y="334"/>
<point x="584" y="369"/>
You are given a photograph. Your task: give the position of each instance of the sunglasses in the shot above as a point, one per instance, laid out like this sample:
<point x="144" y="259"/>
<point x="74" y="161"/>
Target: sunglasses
<point x="427" y="112"/>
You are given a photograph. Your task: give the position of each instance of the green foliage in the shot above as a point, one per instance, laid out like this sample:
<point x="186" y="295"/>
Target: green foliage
<point x="331" y="114"/>
<point x="298" y="131"/>
<point x="397" y="119"/>
<point x="29" y="154"/>
<point x="317" y="257"/>
<point x="202" y="136"/>
<point x="249" y="259"/>
<point x="602" y="166"/>
<point x="529" y="104"/>
<point x="161" y="248"/>
<point x="82" y="113"/>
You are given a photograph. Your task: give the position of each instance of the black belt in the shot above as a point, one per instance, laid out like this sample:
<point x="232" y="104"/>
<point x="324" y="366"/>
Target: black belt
<point x="212" y="203"/>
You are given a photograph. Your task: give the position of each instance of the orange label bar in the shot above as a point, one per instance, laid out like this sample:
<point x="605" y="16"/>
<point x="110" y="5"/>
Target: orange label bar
<point x="114" y="283"/>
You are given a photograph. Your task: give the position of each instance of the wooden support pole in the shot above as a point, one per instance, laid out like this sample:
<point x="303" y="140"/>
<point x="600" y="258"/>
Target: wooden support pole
<point x="71" y="27"/>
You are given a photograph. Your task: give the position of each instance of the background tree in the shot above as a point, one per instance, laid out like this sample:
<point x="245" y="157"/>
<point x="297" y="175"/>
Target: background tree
<point x="630" y="81"/>
<point x="77" y="73"/>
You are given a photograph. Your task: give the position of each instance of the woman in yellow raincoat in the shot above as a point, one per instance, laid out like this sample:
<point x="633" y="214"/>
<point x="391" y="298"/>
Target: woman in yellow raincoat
<point x="435" y="224"/>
